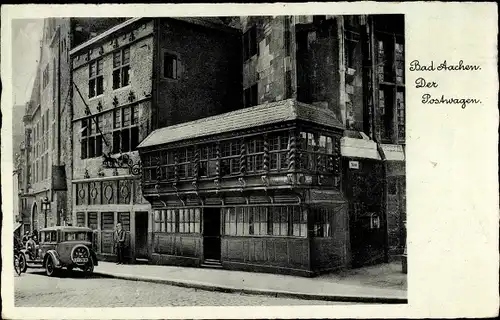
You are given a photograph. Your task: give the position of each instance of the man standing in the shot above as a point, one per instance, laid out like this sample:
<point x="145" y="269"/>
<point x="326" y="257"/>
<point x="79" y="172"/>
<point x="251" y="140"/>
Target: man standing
<point x="119" y="242"/>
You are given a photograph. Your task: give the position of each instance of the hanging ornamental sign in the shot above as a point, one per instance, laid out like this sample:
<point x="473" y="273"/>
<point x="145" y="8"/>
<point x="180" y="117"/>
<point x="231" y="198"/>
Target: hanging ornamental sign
<point x="122" y="162"/>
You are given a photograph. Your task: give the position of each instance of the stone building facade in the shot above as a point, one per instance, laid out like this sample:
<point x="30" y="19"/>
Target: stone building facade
<point x="46" y="160"/>
<point x="140" y="75"/>
<point x="335" y="65"/>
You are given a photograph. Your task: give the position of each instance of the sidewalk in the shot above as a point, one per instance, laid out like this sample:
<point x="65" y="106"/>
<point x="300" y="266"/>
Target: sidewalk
<point x="376" y="284"/>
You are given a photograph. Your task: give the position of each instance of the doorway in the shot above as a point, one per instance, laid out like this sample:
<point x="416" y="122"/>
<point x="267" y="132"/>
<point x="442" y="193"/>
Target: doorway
<point x="211" y="234"/>
<point x="141" y="235"/>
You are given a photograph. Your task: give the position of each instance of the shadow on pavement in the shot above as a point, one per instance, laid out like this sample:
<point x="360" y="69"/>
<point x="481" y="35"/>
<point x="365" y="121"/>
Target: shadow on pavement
<point x="66" y="274"/>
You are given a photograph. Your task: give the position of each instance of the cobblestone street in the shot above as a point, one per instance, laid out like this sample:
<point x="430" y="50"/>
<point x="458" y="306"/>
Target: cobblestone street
<point x="34" y="289"/>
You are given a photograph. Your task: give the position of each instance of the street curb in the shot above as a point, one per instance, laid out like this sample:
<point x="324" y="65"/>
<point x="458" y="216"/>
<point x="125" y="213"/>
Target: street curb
<point x="272" y="293"/>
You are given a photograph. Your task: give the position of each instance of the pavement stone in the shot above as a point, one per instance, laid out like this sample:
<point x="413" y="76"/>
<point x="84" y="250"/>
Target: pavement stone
<point x="383" y="283"/>
<point x="34" y="289"/>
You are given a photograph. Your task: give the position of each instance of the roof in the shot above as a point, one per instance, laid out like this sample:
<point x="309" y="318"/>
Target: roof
<point x="266" y="114"/>
<point x="66" y="228"/>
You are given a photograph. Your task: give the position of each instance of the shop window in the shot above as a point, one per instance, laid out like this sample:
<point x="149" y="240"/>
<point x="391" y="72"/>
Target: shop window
<point x="299" y="222"/>
<point x="171" y="221"/>
<point x="96" y="82"/>
<point x="158" y="220"/>
<point x="188" y="222"/>
<point x="250" y="43"/>
<point x="121" y="68"/>
<point x="265" y="221"/>
<point x="279" y="218"/>
<point x="322" y="219"/>
<point x="177" y="220"/>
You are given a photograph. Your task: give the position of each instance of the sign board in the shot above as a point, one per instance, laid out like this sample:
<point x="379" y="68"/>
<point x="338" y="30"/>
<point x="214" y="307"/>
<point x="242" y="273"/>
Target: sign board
<point x="353" y="164"/>
<point x="393" y="152"/>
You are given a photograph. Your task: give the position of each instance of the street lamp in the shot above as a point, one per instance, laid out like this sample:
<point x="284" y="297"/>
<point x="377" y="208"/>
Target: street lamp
<point x="45" y="208"/>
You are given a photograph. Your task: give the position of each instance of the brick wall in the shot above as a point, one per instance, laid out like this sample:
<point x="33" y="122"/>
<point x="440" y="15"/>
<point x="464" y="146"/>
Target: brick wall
<point x="208" y="72"/>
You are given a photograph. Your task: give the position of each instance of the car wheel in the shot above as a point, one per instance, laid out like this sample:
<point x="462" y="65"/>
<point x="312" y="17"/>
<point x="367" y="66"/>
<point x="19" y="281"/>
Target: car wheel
<point x="50" y="268"/>
<point x="22" y="262"/>
<point x="89" y="267"/>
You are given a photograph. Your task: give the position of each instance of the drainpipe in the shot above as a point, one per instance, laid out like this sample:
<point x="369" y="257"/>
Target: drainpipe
<point x="58" y="212"/>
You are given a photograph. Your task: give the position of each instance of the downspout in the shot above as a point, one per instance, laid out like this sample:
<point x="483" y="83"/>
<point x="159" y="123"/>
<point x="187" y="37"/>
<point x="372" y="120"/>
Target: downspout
<point x="374" y="82"/>
<point x="58" y="212"/>
<point x="342" y="93"/>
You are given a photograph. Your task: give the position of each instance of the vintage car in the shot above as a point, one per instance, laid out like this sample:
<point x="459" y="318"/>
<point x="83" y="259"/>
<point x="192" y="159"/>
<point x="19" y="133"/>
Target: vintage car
<point x="62" y="247"/>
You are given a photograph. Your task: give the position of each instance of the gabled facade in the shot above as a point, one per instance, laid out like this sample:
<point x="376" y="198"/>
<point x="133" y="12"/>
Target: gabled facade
<point x="142" y="74"/>
<point x="45" y="200"/>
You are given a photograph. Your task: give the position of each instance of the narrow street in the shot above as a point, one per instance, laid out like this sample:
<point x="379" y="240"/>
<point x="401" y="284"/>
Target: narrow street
<point x="35" y="289"/>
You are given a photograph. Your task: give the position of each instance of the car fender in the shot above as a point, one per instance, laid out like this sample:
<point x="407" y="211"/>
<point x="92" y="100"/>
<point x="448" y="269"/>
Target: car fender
<point x="55" y="257"/>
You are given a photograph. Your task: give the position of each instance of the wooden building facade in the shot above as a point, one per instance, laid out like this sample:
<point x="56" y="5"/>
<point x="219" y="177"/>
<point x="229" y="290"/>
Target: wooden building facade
<point x="255" y="189"/>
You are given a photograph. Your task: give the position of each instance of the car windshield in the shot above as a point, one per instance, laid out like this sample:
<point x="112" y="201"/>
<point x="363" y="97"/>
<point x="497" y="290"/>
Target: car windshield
<point x="82" y="236"/>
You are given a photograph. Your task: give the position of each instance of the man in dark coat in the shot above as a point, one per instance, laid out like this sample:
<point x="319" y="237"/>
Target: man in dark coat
<point x="119" y="242"/>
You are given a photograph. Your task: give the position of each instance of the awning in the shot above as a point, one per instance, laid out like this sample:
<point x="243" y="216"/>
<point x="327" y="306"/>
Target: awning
<point x="17" y="225"/>
<point x="359" y="148"/>
<point x="393" y="152"/>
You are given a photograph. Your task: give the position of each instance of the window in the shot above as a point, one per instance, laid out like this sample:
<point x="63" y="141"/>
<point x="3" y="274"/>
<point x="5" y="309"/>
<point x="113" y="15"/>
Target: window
<point x="278" y="152"/>
<point x="317" y="152"/>
<point x="322" y="221"/>
<point x="96" y="84"/>
<point x="255" y="155"/>
<point x="251" y="96"/>
<point x="177" y="220"/>
<point x="170" y="66"/>
<point x="265" y="221"/>
<point x="91" y="141"/>
<point x="171" y="221"/>
<point x="121" y="68"/>
<point x="159" y="219"/>
<point x="45" y="77"/>
<point x="278" y="216"/>
<point x="351" y="41"/>
<point x="126" y="130"/>
<point x="208" y="160"/>
<point x="230" y="157"/>
<point x="250" y="43"/>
